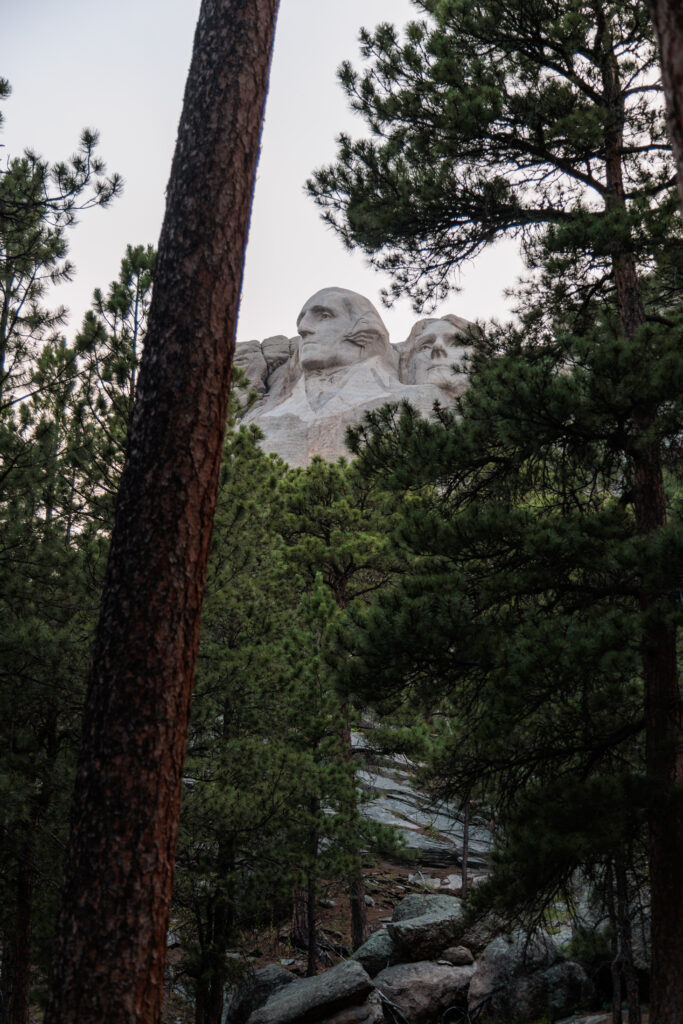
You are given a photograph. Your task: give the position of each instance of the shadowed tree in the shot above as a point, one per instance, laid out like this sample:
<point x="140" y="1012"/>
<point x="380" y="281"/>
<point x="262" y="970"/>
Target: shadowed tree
<point x="111" y="939"/>
<point x="667" y="16"/>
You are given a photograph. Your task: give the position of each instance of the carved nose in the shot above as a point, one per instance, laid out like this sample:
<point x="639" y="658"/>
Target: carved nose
<point x="304" y="329"/>
<point x="438" y="351"/>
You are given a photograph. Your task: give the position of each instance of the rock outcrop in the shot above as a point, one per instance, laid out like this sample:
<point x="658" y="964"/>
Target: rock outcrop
<point x="431" y="831"/>
<point x="341" y="365"/>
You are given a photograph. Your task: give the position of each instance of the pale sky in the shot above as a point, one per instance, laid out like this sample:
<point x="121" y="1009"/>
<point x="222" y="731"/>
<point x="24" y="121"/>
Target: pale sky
<point x="121" y="69"/>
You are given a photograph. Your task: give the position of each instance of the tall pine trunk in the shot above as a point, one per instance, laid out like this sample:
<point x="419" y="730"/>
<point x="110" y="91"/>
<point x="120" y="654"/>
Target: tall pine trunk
<point x="667" y="16"/>
<point x="663" y="733"/>
<point x="111" y="936"/>
<point x="219" y="930"/>
<point x="16" y="950"/>
<point x="625" y="941"/>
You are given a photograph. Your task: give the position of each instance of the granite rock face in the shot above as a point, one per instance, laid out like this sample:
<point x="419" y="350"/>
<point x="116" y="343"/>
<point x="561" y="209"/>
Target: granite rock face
<point x="342" y="365"/>
<point x="432" y="831"/>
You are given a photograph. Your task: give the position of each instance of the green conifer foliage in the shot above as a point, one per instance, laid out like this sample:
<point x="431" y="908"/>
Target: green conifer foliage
<point x="109" y="348"/>
<point x="496" y="119"/>
<point x="542" y="120"/>
<point x="234" y="868"/>
<point x="47" y="568"/>
<point x="521" y="613"/>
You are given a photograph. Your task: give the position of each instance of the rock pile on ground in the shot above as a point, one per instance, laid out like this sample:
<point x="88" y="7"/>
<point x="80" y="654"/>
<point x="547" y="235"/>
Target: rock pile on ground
<point x="417" y="968"/>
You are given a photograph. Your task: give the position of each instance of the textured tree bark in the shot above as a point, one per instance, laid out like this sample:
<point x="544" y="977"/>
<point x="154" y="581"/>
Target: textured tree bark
<point x="667" y="16"/>
<point x="663" y="716"/>
<point x="359" y="913"/>
<point x="16" y="949"/>
<point x="111" y="938"/>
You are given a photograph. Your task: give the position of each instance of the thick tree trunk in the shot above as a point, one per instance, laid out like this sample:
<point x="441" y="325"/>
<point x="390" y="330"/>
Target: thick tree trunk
<point x="663" y="721"/>
<point x="664" y="761"/>
<point x="111" y="938"/>
<point x="16" y="952"/>
<point x="625" y="941"/>
<point x="667" y="16"/>
<point x="312" y="931"/>
<point x="359" y="912"/>
<point x="299" y="930"/>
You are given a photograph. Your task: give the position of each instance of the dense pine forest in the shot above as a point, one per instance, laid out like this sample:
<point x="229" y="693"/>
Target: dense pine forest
<point x="496" y="589"/>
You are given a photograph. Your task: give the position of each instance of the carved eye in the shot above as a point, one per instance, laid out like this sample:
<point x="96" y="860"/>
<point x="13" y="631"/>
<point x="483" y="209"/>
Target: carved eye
<point x="325" y="316"/>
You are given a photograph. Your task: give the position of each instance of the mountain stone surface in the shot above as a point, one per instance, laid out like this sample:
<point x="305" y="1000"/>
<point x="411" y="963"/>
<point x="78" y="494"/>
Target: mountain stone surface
<point x="341" y="364"/>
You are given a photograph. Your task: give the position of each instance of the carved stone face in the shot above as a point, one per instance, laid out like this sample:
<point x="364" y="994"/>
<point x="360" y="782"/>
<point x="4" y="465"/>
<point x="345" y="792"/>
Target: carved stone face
<point x="432" y="348"/>
<point x="339" y="328"/>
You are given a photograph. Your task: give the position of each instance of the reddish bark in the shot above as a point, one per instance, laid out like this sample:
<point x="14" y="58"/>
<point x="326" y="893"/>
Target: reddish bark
<point x="359" y="911"/>
<point x="664" y="737"/>
<point x="667" y="16"/>
<point x="111" y="940"/>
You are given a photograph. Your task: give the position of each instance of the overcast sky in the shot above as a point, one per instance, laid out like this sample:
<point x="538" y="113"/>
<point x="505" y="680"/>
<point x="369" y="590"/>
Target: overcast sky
<point x="121" y="68"/>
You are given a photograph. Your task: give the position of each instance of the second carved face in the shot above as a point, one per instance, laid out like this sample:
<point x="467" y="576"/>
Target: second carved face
<point x="431" y="350"/>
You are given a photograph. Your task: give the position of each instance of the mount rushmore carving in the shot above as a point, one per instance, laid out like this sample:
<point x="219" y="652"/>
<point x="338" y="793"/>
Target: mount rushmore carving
<point x="342" y="364"/>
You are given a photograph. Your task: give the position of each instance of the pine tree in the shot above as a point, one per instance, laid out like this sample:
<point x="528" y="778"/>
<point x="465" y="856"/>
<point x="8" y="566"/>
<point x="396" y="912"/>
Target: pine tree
<point x="336" y="526"/>
<point x="541" y="119"/>
<point x="46" y="594"/>
<point x="47" y="605"/>
<point x="111" y="936"/>
<point x="233" y="861"/>
<point x="520" y="614"/>
<point x="109" y="348"/>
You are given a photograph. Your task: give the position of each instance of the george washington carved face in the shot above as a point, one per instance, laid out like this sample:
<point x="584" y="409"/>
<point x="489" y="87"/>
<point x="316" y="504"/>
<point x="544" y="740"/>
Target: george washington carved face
<point x="339" y="328"/>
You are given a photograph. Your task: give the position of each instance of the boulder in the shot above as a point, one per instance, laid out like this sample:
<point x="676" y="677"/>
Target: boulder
<point x="424" y="937"/>
<point x="255" y="990"/>
<point x="419" y="904"/>
<point x="369" y="1012"/>
<point x="552" y="992"/>
<point x="313" y="1000"/>
<point x="458" y="956"/>
<point x="522" y="979"/>
<point x="376" y="953"/>
<point x="478" y="935"/>
<point x="423" y="991"/>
